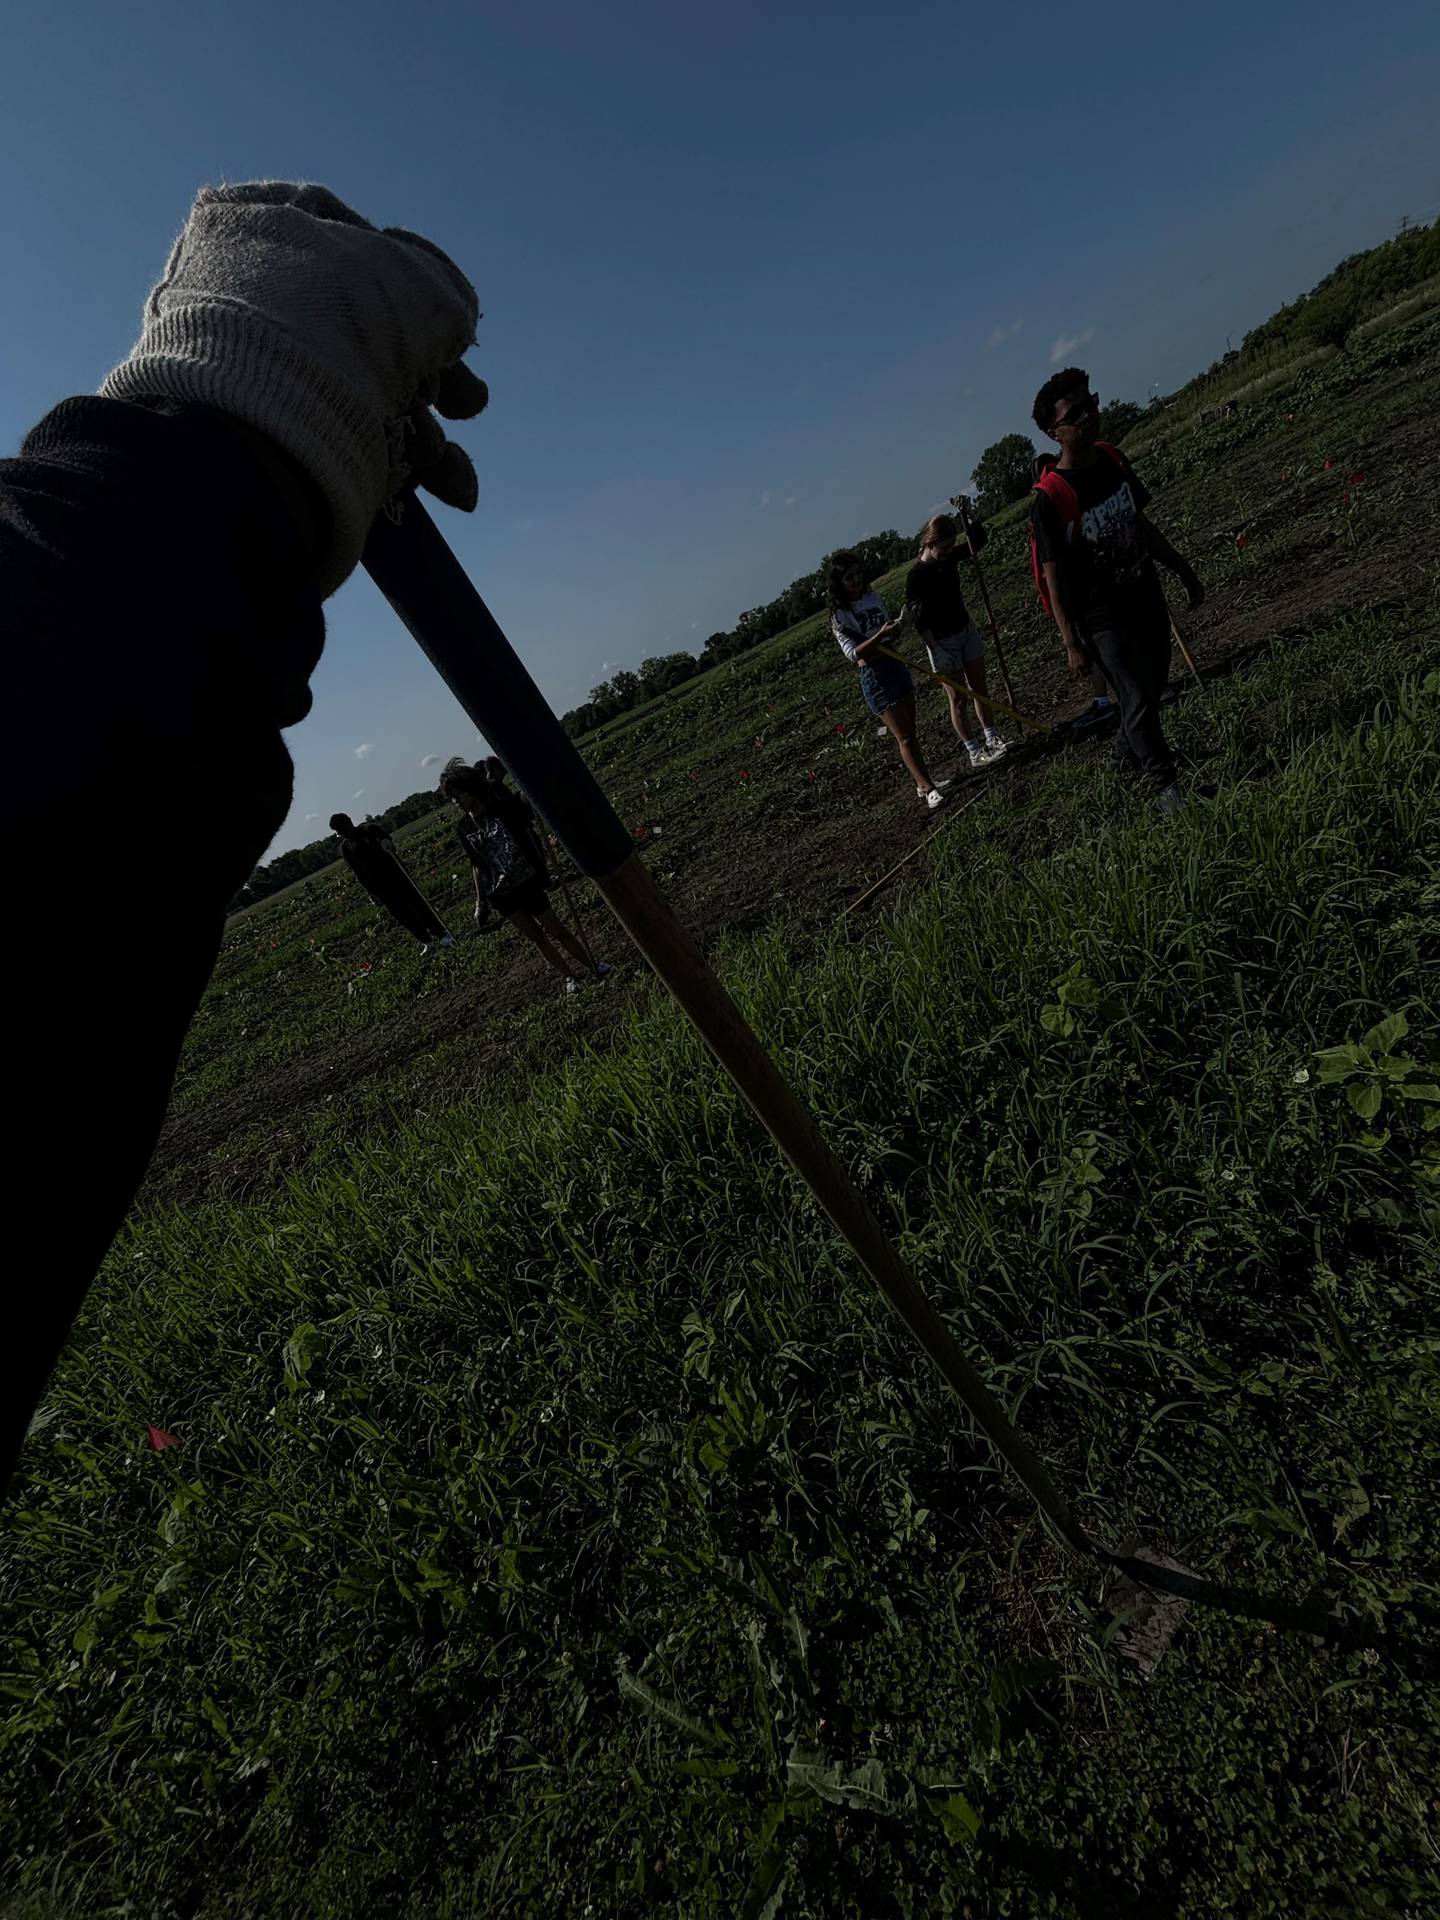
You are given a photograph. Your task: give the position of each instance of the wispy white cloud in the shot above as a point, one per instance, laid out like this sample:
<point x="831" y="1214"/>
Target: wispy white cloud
<point x="311" y="816"/>
<point x="791" y="498"/>
<point x="430" y="760"/>
<point x="358" y="794"/>
<point x="999" y="335"/>
<point x="365" y="748"/>
<point x="1068" y="342"/>
<point x="765" y="498"/>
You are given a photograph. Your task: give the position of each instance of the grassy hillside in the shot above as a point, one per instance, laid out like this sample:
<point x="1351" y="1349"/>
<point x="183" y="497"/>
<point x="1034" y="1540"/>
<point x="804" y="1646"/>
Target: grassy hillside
<point x="558" y="1525"/>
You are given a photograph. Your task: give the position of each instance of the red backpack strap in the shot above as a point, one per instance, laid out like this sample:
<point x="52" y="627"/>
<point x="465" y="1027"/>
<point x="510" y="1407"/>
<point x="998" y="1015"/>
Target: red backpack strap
<point x="1058" y="490"/>
<point x="1113" y="453"/>
<point x="1061" y="495"/>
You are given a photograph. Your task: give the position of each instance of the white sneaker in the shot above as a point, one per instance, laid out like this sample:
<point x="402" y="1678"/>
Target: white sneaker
<point x="448" y="941"/>
<point x="934" y="798"/>
<point x="572" y="985"/>
<point x="996" y="747"/>
<point x="920" y="792"/>
<point x="427" y="950"/>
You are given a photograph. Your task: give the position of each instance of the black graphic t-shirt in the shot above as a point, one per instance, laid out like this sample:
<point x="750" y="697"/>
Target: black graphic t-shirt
<point x="932" y="589"/>
<point x="1107" y="579"/>
<point x="367" y="852"/>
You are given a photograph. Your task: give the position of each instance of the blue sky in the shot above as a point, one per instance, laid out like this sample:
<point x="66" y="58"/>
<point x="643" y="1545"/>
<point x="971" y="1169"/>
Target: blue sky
<point x="758" y="279"/>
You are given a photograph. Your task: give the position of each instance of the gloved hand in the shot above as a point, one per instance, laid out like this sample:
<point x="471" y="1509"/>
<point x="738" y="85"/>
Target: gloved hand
<point x="281" y="307"/>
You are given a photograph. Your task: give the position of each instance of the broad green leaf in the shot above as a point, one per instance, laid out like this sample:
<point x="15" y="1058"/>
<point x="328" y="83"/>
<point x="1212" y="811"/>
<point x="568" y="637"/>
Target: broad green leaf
<point x="1383" y="1036"/>
<point x="862" y="1787"/>
<point x="1354" y="1505"/>
<point x="644" y="1696"/>
<point x="960" y="1821"/>
<point x="1365" y="1097"/>
<point x="1338" y="1062"/>
<point x="1417" y="1090"/>
<point x="764" y="1898"/>
<point x="1080" y="993"/>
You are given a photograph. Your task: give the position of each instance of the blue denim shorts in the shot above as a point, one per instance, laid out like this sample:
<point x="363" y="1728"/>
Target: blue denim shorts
<point x="884" y="684"/>
<point x="960" y="650"/>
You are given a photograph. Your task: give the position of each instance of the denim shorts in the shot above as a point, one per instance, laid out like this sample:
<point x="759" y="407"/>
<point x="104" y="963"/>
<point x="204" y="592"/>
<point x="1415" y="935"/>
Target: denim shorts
<point x="960" y="650"/>
<point x="884" y="684"/>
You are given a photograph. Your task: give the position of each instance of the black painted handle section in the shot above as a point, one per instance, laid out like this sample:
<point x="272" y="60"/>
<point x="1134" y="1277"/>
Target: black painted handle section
<point x="414" y="568"/>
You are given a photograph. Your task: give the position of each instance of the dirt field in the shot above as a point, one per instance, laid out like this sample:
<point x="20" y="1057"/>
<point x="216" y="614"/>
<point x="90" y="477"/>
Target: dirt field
<point x="765" y="791"/>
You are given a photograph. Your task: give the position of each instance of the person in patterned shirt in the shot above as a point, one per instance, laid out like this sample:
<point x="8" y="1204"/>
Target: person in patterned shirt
<point x="861" y="624"/>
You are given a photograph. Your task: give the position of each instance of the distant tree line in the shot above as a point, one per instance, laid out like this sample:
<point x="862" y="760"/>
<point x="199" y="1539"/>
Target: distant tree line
<point x="801" y="599"/>
<point x="1361" y="286"/>
<point x="1003" y="473"/>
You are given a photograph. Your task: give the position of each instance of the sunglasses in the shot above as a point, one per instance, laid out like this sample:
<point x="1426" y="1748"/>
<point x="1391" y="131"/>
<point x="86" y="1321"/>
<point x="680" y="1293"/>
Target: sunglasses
<point x="1090" y="404"/>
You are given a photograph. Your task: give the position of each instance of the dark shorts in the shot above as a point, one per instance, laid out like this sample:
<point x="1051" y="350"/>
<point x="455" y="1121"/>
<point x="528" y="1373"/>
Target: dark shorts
<point x="884" y="684"/>
<point x="525" y="896"/>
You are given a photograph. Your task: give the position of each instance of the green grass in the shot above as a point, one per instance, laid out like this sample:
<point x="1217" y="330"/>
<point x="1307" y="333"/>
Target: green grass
<point x="558" y="1521"/>
<point x="560" y="1525"/>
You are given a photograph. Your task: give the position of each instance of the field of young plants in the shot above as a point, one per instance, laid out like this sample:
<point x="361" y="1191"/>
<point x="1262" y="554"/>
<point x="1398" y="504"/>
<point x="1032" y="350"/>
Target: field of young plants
<point x="480" y="1483"/>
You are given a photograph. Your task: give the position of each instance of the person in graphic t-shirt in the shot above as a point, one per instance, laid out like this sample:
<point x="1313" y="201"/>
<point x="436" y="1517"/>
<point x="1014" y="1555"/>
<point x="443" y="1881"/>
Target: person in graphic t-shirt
<point x="370" y="854"/>
<point x="500" y="839"/>
<point x="861" y="624"/>
<point x="1103" y="700"/>
<point x="1096" y="552"/>
<point x="953" y="643"/>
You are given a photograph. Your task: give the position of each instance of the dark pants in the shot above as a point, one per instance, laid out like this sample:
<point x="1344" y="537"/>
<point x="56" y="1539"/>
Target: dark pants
<point x="1137" y="665"/>
<point x="392" y="888"/>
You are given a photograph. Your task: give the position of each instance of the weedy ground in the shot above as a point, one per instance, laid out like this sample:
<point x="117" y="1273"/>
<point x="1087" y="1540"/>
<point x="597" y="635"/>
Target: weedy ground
<point x="556" y="1522"/>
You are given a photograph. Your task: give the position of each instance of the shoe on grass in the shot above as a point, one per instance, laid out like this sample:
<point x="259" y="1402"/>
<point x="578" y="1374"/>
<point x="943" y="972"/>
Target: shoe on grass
<point x="1170" y="800"/>
<point x="933" y="798"/>
<point x="573" y="983"/>
<point x="603" y="969"/>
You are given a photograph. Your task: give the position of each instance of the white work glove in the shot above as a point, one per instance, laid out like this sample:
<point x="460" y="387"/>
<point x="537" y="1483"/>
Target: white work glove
<point x="283" y="308"/>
